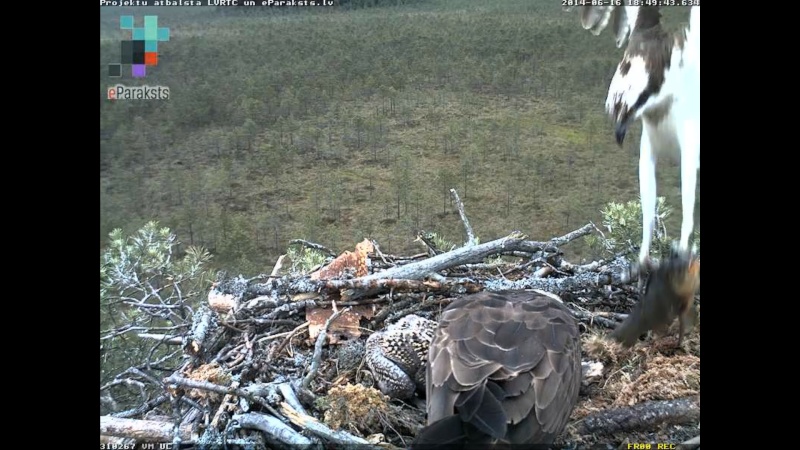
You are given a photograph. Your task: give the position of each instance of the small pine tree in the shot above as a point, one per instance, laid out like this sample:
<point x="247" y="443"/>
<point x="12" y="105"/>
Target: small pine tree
<point x="623" y="226"/>
<point x="145" y="287"/>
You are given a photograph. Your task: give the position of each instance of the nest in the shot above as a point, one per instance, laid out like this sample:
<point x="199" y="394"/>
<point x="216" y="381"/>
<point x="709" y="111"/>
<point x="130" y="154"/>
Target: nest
<point x="282" y="352"/>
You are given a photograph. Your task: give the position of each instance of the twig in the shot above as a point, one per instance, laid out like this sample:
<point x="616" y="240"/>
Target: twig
<point x="316" y="360"/>
<point x="109" y="334"/>
<point x="165" y="338"/>
<point x="288" y="338"/>
<point x="379" y="252"/>
<point x="460" y="206"/>
<point x="287" y="334"/>
<point x="313" y="245"/>
<point x="141" y="409"/>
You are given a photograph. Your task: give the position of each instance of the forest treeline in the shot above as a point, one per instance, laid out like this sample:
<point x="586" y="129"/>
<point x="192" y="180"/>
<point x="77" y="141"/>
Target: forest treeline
<point x="336" y="124"/>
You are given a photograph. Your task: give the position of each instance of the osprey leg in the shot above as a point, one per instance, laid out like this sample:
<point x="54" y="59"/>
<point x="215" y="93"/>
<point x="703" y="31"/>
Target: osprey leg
<point x="690" y="159"/>
<point x="647" y="194"/>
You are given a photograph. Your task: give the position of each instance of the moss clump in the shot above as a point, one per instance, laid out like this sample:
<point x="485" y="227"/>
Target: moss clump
<point x="355" y="406"/>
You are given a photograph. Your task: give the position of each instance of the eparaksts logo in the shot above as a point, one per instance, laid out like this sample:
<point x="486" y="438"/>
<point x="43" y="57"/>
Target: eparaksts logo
<point x="122" y="92"/>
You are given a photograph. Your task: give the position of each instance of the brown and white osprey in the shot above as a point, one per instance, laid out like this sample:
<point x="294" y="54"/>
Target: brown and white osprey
<point x="504" y="368"/>
<point x="658" y="81"/>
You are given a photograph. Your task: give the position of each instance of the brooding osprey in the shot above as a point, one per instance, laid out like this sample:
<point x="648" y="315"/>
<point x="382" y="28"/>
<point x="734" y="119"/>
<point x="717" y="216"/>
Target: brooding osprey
<point x="658" y="81"/>
<point x="504" y="367"/>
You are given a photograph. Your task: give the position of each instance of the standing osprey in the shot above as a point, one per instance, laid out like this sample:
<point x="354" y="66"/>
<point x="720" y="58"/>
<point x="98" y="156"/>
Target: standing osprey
<point x="504" y="368"/>
<point x="658" y="81"/>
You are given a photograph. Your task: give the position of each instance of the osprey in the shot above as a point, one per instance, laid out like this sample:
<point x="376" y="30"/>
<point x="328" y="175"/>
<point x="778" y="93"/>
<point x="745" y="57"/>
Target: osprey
<point x="504" y="368"/>
<point x="669" y="293"/>
<point x="657" y="81"/>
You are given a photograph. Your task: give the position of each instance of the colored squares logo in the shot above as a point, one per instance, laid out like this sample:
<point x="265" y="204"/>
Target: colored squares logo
<point x="142" y="49"/>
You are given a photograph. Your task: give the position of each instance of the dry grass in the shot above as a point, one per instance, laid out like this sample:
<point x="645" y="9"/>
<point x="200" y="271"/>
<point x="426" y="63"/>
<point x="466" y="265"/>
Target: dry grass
<point x="652" y="370"/>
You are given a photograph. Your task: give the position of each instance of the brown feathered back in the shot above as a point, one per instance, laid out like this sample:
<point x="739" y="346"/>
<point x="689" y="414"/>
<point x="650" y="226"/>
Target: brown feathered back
<point x="505" y="367"/>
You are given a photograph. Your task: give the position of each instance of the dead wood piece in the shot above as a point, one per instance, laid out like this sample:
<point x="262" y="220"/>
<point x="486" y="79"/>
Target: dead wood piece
<point x="202" y="325"/>
<point x="356" y="263"/>
<point x="144" y="430"/>
<point x="460" y="207"/>
<point x="271" y="426"/>
<point x="318" y="428"/>
<point x="219" y="302"/>
<point x="643" y="416"/>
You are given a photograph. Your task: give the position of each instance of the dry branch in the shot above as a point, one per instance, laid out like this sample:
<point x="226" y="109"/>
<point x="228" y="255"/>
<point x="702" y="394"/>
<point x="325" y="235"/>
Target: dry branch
<point x="271" y="426"/>
<point x="464" y="255"/>
<point x="318" y="428"/>
<point x="278" y="266"/>
<point x="211" y="387"/>
<point x="460" y="207"/>
<point x="143" y="430"/>
<point x="643" y="416"/>
<point x="313" y="245"/>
